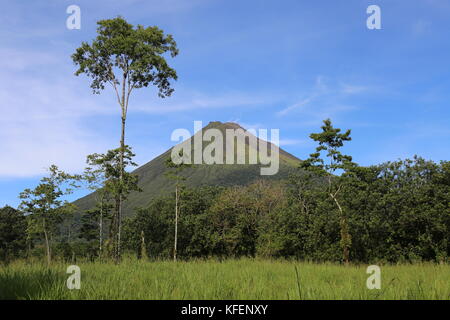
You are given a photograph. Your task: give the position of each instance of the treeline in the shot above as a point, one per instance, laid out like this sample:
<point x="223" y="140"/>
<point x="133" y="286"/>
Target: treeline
<point x="397" y="212"/>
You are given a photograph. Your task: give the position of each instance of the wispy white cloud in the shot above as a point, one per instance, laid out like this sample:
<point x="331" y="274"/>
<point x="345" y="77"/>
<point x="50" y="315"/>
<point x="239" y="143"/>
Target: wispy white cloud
<point x="20" y="60"/>
<point x="326" y="99"/>
<point x="297" y="105"/>
<point x="31" y="146"/>
<point x="42" y="119"/>
<point x="44" y="115"/>
<point x="319" y="89"/>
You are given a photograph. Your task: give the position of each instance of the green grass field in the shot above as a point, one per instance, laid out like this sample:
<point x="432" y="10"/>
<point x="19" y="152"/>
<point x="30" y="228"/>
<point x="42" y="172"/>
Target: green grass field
<point x="231" y="279"/>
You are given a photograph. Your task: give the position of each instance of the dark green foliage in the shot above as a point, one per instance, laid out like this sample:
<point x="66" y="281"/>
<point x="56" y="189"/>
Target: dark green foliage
<point x="240" y="217"/>
<point x="157" y="222"/>
<point x="89" y="226"/>
<point x="401" y="211"/>
<point x="398" y="212"/>
<point x="110" y="165"/>
<point x="13" y="226"/>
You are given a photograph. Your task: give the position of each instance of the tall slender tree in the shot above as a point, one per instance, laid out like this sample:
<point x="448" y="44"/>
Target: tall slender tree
<point x="127" y="58"/>
<point x="174" y="172"/>
<point x="331" y="165"/>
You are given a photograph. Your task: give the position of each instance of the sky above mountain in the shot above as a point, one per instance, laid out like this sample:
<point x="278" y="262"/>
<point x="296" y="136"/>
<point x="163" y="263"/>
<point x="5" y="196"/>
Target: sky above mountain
<point x="265" y="64"/>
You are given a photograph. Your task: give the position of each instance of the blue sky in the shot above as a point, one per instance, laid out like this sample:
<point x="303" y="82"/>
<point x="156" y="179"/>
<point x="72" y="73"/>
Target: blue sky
<point x="263" y="64"/>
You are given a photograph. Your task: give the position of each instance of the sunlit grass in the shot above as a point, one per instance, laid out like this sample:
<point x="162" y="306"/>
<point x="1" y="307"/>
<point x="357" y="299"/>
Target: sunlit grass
<point x="230" y="279"/>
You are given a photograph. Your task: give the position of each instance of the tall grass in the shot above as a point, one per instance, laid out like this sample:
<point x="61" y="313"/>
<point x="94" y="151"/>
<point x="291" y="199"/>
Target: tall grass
<point x="230" y="279"/>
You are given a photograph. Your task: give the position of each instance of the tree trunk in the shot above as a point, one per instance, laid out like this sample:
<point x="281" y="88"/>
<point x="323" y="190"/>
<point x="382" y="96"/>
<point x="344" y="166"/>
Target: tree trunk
<point x="113" y="231"/>
<point x="119" y="229"/>
<point x="101" y="231"/>
<point x="345" y="235"/>
<point x="122" y="167"/>
<point x="116" y="231"/>
<point x="176" y="224"/>
<point x="143" y="252"/>
<point x="47" y="244"/>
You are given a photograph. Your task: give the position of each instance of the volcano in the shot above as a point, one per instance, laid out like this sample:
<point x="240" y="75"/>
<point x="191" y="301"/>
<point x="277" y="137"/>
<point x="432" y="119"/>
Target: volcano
<point x="154" y="182"/>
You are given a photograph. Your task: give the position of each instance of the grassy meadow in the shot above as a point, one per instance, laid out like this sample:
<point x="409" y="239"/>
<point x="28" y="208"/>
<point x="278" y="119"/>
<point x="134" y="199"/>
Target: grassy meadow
<point x="230" y="279"/>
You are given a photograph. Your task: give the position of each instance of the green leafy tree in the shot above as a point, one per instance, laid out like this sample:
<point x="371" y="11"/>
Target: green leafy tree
<point x="240" y="218"/>
<point x="330" y="140"/>
<point x="126" y="58"/>
<point x="156" y="223"/>
<point x="45" y="206"/>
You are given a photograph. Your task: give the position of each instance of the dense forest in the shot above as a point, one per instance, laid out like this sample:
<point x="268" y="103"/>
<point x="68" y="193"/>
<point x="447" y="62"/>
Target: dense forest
<point x="396" y="211"/>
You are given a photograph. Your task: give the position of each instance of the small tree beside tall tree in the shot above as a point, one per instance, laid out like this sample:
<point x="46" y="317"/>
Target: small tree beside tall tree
<point x="126" y="58"/>
<point x="113" y="184"/>
<point x="95" y="176"/>
<point x="45" y="206"/>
